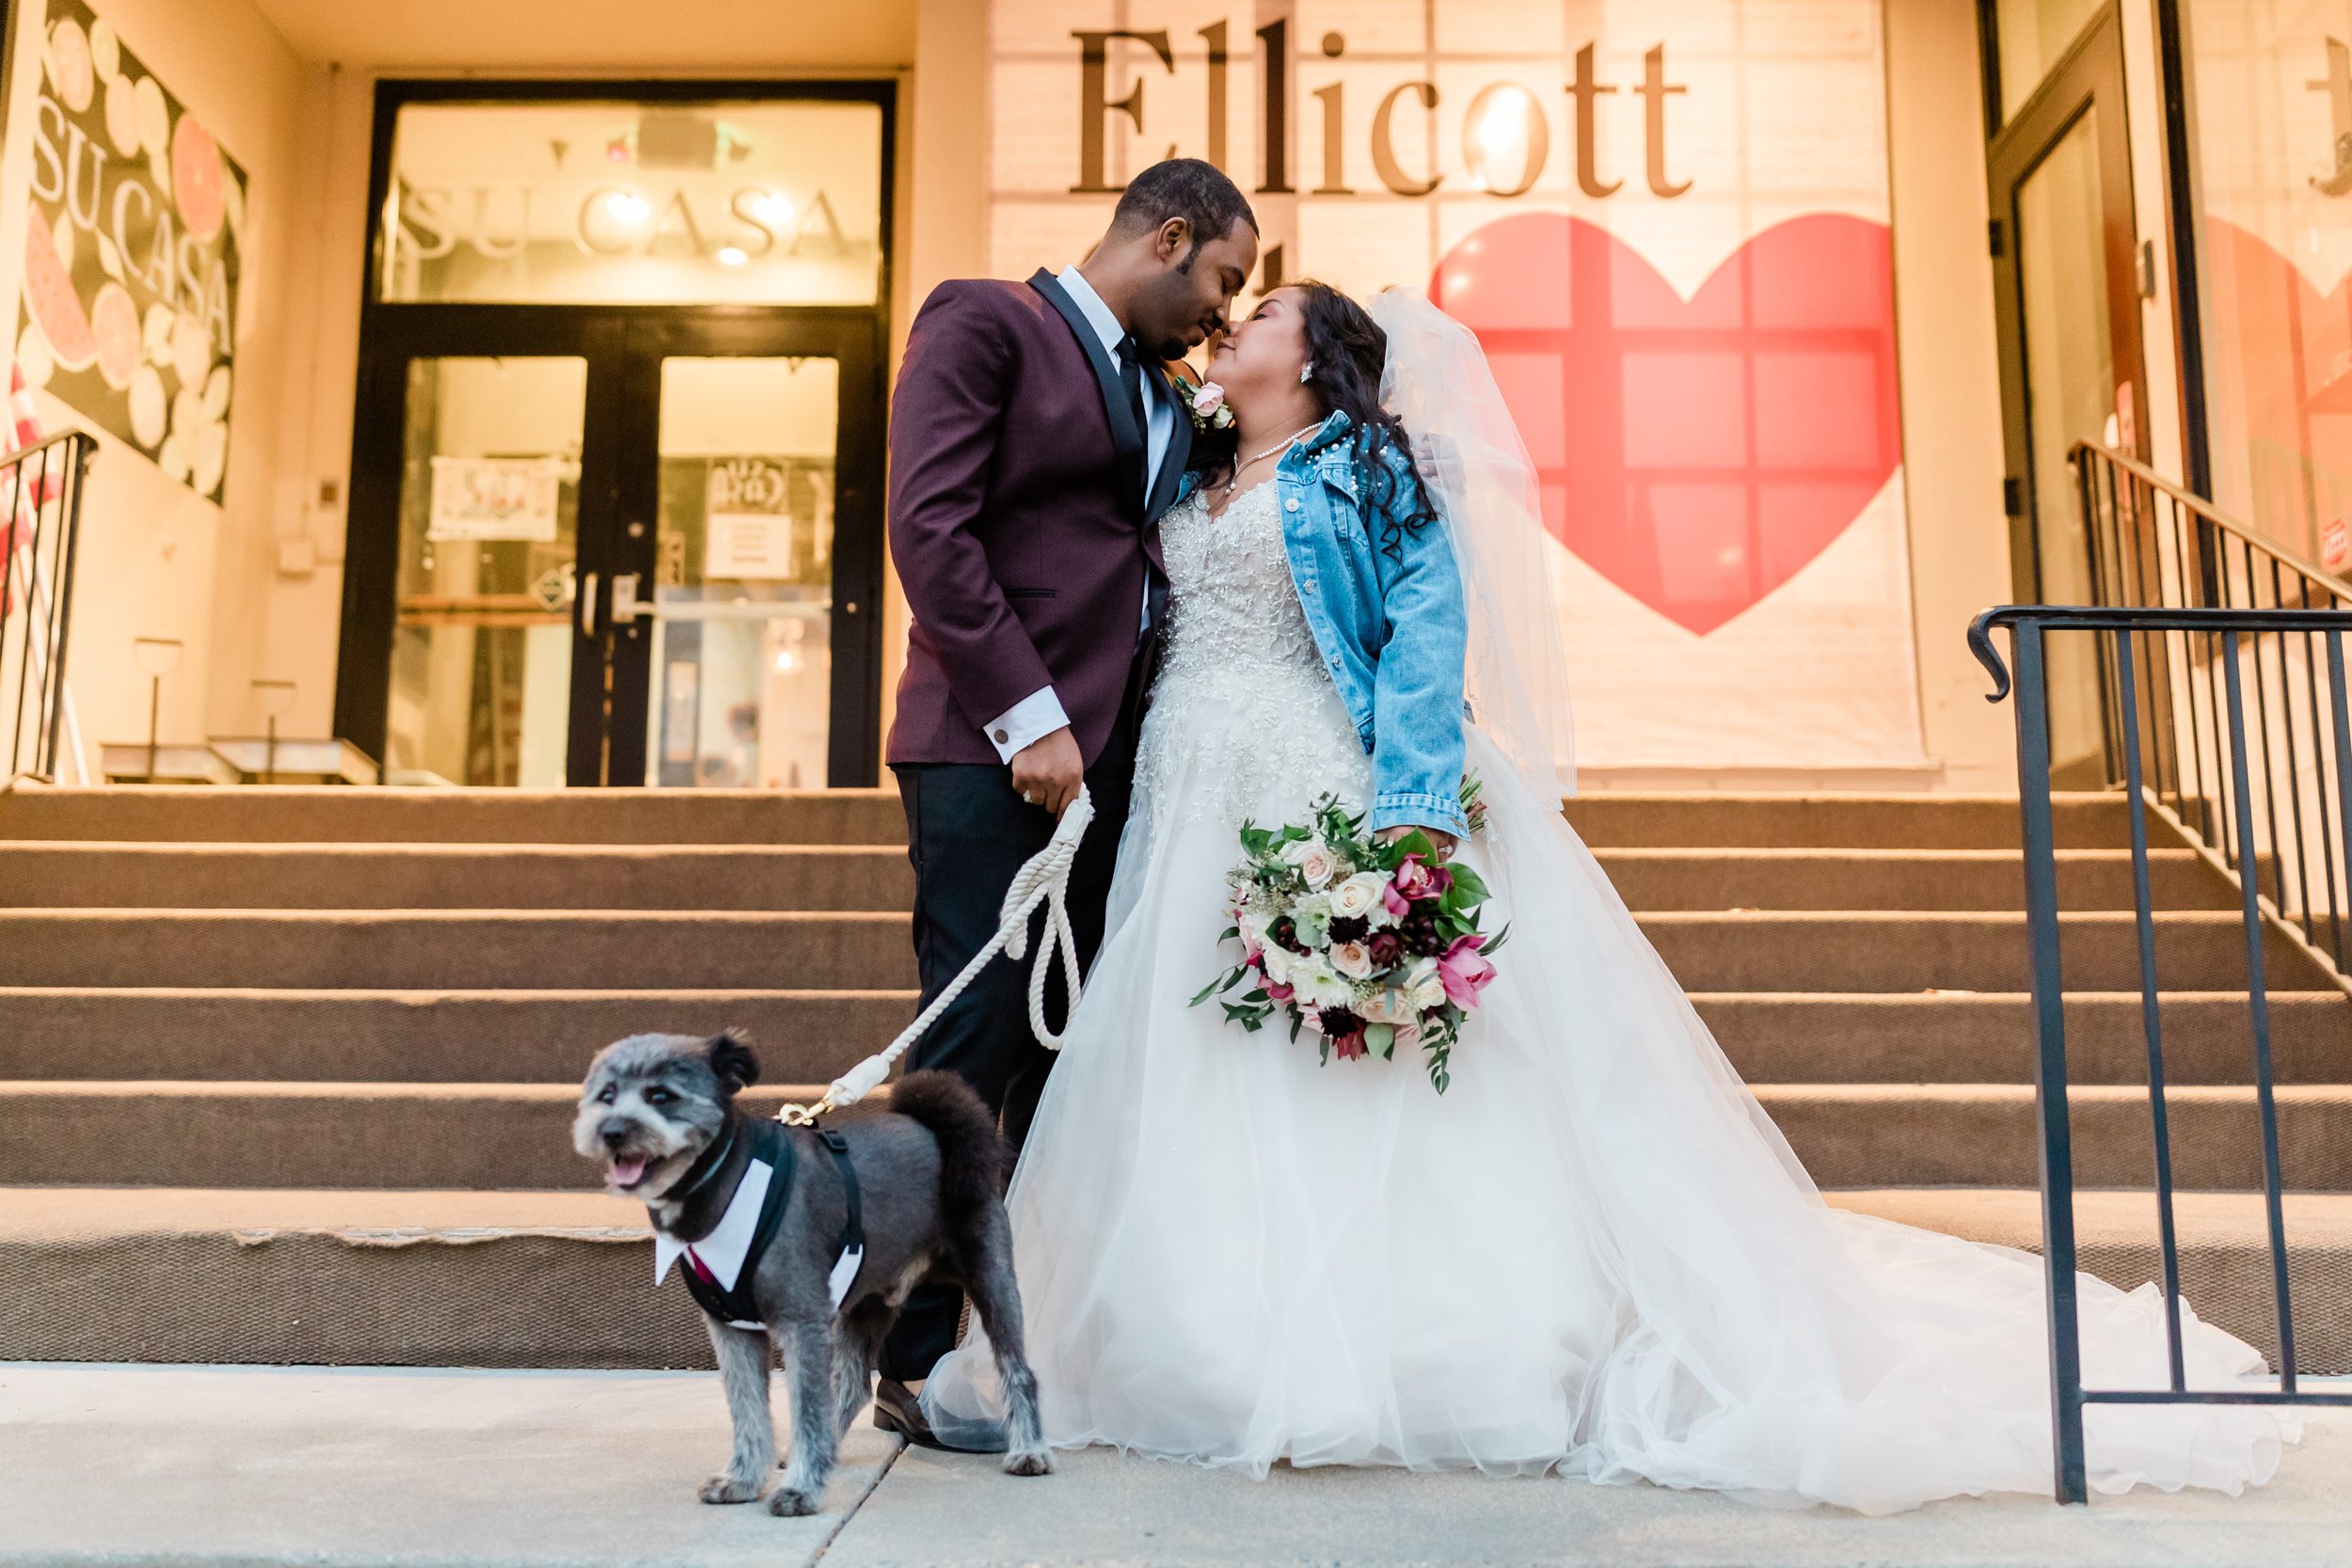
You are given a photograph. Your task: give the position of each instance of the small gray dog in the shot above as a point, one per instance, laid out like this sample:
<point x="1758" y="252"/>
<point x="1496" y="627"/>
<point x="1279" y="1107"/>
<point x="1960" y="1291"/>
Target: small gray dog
<point x="809" y="1240"/>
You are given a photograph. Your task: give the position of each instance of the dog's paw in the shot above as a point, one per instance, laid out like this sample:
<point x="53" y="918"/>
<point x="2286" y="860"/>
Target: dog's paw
<point x="726" y="1489"/>
<point x="791" y="1503"/>
<point x="1033" y="1462"/>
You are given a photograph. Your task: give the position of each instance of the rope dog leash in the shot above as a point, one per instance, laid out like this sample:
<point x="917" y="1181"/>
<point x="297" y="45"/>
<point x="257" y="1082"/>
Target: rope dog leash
<point x="1045" y="879"/>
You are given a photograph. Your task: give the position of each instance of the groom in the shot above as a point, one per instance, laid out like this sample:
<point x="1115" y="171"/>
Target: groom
<point x="1033" y="442"/>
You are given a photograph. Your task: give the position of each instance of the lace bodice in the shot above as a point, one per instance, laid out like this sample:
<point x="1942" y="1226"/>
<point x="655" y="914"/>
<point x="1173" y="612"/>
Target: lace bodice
<point x="1243" y="697"/>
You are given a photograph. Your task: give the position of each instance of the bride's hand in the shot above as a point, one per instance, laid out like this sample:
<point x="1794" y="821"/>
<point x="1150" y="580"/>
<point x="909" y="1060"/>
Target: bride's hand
<point x="1439" y="840"/>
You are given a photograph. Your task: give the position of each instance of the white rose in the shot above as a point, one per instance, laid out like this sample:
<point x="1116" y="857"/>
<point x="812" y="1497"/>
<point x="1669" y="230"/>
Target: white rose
<point x="1351" y="958"/>
<point x="1359" y="895"/>
<point x="1314" y="860"/>
<point x="1276" y="962"/>
<point x="1423" y="986"/>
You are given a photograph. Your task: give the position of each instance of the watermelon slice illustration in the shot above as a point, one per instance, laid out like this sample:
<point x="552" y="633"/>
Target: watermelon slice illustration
<point x="49" y="295"/>
<point x="115" y="323"/>
<point x="197" y="177"/>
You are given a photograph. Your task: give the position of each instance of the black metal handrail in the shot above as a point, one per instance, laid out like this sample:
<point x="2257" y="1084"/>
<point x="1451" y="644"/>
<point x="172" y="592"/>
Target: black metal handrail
<point x="2116" y="630"/>
<point x="41" y="517"/>
<point x="2153" y="545"/>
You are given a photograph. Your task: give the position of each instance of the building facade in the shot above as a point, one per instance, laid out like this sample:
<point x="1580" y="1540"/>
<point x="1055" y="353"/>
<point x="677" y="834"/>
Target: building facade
<point x="502" y="389"/>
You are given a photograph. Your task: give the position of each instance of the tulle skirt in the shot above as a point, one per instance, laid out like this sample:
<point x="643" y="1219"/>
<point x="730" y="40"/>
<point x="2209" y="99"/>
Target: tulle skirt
<point x="1593" y="1255"/>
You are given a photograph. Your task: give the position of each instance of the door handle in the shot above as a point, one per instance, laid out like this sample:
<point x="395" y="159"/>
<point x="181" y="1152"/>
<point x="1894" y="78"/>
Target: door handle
<point x="587" y="604"/>
<point x="625" y="606"/>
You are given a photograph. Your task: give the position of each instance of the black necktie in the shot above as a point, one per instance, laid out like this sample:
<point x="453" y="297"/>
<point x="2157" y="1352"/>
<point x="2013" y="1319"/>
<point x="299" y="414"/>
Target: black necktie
<point x="1131" y="377"/>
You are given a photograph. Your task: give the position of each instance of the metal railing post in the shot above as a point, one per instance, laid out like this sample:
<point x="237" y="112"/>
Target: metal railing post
<point x="2049" y="1023"/>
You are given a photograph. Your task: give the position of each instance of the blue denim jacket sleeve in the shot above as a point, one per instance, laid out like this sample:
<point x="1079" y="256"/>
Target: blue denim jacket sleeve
<point x="1416" y="678"/>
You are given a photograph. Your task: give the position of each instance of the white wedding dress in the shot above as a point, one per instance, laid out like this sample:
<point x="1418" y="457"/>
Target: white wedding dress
<point x="1594" y="1254"/>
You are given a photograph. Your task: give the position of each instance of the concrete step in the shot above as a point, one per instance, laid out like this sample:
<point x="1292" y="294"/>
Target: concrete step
<point x="533" y="949"/>
<point x="39" y="874"/>
<point x="338" y="1277"/>
<point x="2224" y="1257"/>
<point x="1708" y="879"/>
<point x="420" y="1036"/>
<point x="1912" y="951"/>
<point x="257" y="1134"/>
<point x="812" y="1036"/>
<point x="269" y="1134"/>
<point x="287" y="814"/>
<point x="1734" y="821"/>
<point x="292" y="814"/>
<point x="42" y="874"/>
<point x="526" y="1280"/>
<point x="1988" y="1037"/>
<point x="1984" y="1134"/>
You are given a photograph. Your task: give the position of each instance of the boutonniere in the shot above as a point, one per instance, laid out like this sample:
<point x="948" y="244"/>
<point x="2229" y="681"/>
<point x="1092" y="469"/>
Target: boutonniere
<point x="1206" y="401"/>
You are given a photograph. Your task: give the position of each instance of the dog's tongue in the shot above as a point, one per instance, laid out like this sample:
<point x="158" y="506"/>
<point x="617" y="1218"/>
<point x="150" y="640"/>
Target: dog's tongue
<point x="626" y="1172"/>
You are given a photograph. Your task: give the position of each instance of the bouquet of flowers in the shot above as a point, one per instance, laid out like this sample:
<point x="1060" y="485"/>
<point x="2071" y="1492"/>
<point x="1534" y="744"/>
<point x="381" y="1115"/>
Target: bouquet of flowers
<point x="1370" y="947"/>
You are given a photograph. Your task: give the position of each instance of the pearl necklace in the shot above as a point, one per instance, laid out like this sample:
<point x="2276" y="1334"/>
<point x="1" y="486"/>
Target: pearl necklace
<point x="1279" y="446"/>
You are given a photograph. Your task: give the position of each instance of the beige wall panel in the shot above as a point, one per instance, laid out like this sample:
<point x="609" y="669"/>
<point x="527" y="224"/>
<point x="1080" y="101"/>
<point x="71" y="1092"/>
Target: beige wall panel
<point x="1951" y="380"/>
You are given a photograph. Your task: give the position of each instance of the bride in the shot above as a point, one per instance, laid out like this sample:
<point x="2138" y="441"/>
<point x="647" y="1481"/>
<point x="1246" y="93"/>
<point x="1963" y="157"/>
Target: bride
<point x="1593" y="1253"/>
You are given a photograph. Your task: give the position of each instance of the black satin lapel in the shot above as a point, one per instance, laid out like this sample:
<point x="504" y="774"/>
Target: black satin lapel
<point x="1127" y="441"/>
<point x="1179" y="448"/>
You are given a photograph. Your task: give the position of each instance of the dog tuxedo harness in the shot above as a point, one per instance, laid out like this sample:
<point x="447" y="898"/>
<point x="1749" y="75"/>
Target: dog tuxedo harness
<point x="718" y="1271"/>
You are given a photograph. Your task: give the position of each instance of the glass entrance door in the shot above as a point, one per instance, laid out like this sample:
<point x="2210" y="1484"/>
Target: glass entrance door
<point x="2068" y="302"/>
<point x="654" y="561"/>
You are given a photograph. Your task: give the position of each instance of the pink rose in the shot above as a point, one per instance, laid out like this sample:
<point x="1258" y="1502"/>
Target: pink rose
<point x="1413" y="879"/>
<point x="1465" y="971"/>
<point x="1207" y="398"/>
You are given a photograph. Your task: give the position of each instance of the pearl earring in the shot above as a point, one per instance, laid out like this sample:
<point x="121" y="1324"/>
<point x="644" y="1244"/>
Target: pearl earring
<point x="1306" y="372"/>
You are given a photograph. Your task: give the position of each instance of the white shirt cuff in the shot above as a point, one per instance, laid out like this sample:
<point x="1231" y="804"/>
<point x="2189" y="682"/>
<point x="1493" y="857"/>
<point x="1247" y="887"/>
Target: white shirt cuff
<point x="1027" y="722"/>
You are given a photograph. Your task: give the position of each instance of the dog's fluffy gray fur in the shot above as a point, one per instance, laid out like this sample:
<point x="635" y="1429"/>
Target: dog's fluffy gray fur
<point x="930" y="1173"/>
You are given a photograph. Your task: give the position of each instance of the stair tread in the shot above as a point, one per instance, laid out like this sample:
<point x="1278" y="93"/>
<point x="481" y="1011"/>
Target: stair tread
<point x="2006" y="1217"/>
<point x="294" y="1088"/>
<point x="2011" y="1216"/>
<point x="37" y="1214"/>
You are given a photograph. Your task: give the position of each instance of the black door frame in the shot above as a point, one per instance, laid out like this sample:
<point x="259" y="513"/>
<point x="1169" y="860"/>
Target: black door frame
<point x="2091" y="71"/>
<point x="624" y="345"/>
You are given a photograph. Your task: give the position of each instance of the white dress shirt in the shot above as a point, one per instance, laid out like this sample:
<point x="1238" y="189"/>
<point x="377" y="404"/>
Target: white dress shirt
<point x="1040" y="714"/>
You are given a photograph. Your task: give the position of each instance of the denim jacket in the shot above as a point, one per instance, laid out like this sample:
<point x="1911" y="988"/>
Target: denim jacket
<point x="1391" y="628"/>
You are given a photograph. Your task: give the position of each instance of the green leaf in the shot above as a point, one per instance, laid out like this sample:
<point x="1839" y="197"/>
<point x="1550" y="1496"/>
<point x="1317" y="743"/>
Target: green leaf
<point x="1466" y="880"/>
<point x="1380" y="1038"/>
<point x="1496" y="941"/>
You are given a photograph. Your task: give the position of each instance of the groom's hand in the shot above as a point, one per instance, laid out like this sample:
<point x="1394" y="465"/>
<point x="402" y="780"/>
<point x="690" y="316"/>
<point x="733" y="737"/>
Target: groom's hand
<point x="1047" y="772"/>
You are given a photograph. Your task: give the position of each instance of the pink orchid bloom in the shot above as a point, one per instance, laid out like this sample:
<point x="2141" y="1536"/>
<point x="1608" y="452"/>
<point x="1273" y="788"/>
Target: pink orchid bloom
<point x="1398" y="905"/>
<point x="1413" y="879"/>
<point x="1278" y="994"/>
<point x="1464" y="970"/>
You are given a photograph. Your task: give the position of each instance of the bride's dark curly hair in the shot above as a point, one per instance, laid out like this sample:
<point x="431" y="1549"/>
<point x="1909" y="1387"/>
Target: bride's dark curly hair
<point x="1345" y="349"/>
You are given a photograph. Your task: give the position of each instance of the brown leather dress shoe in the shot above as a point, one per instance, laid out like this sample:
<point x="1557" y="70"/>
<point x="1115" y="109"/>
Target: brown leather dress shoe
<point x="900" y="1409"/>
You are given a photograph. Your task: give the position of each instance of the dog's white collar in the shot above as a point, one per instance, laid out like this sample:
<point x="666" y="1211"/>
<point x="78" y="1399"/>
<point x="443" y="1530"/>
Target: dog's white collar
<point x="725" y="1251"/>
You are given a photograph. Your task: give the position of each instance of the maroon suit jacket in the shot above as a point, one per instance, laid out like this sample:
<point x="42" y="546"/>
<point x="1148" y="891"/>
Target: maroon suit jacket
<point x="1018" y="521"/>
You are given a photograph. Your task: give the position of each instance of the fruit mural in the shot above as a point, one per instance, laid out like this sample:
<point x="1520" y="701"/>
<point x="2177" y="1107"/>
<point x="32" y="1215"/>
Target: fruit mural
<point x="131" y="254"/>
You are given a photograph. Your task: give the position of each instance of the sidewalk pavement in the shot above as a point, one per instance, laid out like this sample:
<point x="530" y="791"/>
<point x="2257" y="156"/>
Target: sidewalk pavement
<point x="237" y="1468"/>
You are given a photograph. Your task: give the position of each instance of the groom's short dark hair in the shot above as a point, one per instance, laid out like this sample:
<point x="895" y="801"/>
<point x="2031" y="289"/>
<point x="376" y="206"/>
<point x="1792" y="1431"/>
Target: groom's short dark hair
<point x="1186" y="188"/>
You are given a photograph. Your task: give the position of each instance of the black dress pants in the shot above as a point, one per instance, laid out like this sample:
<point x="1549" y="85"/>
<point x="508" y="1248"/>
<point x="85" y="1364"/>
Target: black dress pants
<point x="968" y="833"/>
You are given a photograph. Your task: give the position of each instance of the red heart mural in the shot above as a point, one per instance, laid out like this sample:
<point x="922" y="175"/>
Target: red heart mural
<point x="1696" y="452"/>
<point x="2282" y="351"/>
